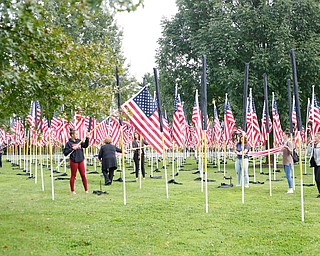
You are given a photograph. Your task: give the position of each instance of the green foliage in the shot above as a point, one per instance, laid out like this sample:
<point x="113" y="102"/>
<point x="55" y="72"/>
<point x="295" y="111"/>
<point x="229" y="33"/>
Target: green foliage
<point x="234" y="33"/>
<point x="60" y="53"/>
<point x="150" y="224"/>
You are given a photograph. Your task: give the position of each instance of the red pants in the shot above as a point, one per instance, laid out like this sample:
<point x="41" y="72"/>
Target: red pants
<point x="74" y="167"/>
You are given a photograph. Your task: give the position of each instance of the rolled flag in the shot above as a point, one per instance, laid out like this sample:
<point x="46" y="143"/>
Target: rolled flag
<point x="89" y="126"/>
<point x="158" y="98"/>
<point x="290" y="105"/>
<point x="245" y="96"/>
<point x="295" y="88"/>
<point x="203" y="104"/>
<point x="265" y="83"/>
<point x="118" y="94"/>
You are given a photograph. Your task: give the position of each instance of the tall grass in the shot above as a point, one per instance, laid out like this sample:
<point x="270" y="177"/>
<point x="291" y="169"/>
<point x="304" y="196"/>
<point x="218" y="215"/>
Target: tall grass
<point x="31" y="223"/>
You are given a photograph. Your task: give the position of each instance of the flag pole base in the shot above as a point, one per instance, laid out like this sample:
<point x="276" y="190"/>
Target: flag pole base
<point x="155" y="177"/>
<point x="172" y="181"/>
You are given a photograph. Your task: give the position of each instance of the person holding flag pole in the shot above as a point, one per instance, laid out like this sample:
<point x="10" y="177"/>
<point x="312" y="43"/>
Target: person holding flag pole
<point x="88" y="135"/>
<point x="74" y="148"/>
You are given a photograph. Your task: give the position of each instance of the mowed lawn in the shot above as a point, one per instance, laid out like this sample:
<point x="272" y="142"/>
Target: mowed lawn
<point x="31" y="223"/>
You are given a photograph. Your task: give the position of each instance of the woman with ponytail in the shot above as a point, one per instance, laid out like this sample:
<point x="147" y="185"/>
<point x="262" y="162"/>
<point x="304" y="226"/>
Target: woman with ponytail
<point x="74" y="147"/>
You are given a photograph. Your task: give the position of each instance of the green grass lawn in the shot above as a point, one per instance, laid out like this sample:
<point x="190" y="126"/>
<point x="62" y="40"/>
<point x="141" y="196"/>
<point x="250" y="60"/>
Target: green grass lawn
<point x="31" y="223"/>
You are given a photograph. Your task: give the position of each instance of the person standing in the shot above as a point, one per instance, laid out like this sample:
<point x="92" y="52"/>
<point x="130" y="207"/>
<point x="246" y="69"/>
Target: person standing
<point x="1" y="153"/>
<point x="138" y="145"/>
<point x="75" y="147"/>
<point x="107" y="155"/>
<point x="287" y="160"/>
<point x="316" y="155"/>
<point x="240" y="149"/>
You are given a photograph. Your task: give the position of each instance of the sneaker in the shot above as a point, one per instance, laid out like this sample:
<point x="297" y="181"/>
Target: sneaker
<point x="73" y="192"/>
<point x="246" y="186"/>
<point x="87" y="191"/>
<point x="318" y="196"/>
<point x="290" y="191"/>
<point x="238" y="185"/>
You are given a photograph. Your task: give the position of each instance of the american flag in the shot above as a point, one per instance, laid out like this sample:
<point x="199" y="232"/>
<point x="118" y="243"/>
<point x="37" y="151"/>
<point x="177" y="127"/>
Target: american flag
<point x="178" y="123"/>
<point x="34" y="116"/>
<point x="190" y="141"/>
<point x="303" y="135"/>
<point x="216" y="126"/>
<point x="185" y="123"/>
<point x="81" y="124"/>
<point x="166" y="122"/>
<point x="271" y="151"/>
<point x="196" y="120"/>
<point x="18" y="137"/>
<point x="94" y="131"/>
<point x="297" y="137"/>
<point x="115" y="130"/>
<point x="255" y="123"/>
<point x="229" y="122"/>
<point x="45" y="130"/>
<point x="143" y="113"/>
<point x="314" y="116"/>
<point x="2" y="137"/>
<point x="209" y="132"/>
<point x="250" y="137"/>
<point x="277" y="131"/>
<point x="128" y="132"/>
<point x="103" y="131"/>
<point x="264" y="133"/>
<point x="62" y="128"/>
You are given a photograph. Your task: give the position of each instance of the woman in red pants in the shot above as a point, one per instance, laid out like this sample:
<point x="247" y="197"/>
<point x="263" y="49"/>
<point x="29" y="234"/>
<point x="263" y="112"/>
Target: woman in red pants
<point x="74" y="147"/>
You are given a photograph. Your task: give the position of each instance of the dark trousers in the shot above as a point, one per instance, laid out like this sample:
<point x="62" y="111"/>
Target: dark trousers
<point x="108" y="175"/>
<point x="0" y="160"/>
<point x="317" y="177"/>
<point x="136" y="164"/>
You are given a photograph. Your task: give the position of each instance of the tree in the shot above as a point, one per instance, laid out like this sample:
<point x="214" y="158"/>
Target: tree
<point x="232" y="33"/>
<point x="44" y="58"/>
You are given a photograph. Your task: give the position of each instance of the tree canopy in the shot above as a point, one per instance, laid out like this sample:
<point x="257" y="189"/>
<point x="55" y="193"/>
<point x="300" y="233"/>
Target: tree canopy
<point x="61" y="53"/>
<point x="232" y="33"/>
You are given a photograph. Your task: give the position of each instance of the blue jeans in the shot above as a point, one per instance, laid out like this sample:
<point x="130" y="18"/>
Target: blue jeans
<point x="287" y="170"/>
<point x="238" y="167"/>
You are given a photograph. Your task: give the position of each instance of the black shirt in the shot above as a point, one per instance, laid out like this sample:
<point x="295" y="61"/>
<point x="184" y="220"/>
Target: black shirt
<point x="76" y="155"/>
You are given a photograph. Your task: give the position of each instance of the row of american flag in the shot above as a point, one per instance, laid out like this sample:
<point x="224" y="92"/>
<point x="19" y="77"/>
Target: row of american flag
<point x="143" y="117"/>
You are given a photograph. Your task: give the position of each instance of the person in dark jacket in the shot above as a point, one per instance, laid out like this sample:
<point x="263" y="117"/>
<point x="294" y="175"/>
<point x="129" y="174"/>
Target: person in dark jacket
<point x="107" y="155"/>
<point x="75" y="147"/>
<point x="1" y="153"/>
<point x="138" y="143"/>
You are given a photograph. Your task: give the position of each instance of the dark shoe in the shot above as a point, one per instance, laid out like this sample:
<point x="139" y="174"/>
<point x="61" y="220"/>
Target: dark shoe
<point x="318" y="196"/>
